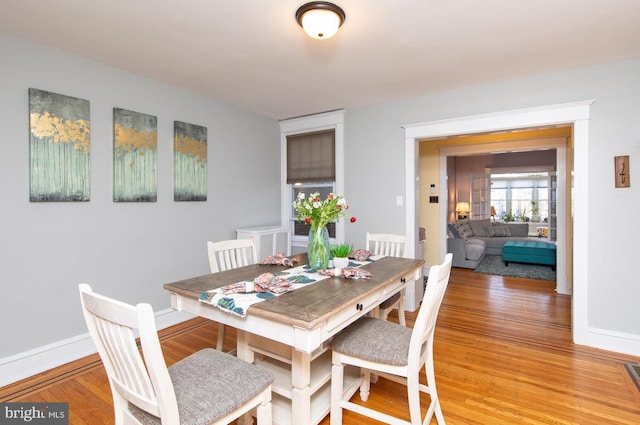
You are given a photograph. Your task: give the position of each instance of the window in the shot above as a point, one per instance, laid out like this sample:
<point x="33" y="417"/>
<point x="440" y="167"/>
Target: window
<point x="514" y="192"/>
<point x="302" y="229"/>
<point x="313" y="179"/>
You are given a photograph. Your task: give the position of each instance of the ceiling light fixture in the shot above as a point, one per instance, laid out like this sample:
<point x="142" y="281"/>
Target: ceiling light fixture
<point x="320" y="19"/>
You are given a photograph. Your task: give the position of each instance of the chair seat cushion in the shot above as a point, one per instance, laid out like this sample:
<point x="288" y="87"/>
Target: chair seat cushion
<point x="208" y="385"/>
<point x="375" y="340"/>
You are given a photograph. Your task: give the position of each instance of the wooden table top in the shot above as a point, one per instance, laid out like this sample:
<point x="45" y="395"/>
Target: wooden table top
<point x="310" y="305"/>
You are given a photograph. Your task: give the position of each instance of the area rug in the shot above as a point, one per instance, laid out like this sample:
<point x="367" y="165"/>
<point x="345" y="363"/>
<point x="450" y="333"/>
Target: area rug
<point x="493" y="264"/>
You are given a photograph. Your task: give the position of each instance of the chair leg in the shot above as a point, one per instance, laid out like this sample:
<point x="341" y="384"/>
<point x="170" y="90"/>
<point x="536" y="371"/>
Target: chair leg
<point x="264" y="412"/>
<point x="365" y="387"/>
<point x="401" y="318"/>
<point x="434" y="406"/>
<point x="413" y="394"/>
<point x="337" y="388"/>
<point x="221" y="332"/>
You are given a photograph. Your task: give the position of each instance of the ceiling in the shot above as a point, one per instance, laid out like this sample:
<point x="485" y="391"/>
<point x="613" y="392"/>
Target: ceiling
<point x="252" y="53"/>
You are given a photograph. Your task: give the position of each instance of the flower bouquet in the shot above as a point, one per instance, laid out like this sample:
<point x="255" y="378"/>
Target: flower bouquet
<point x="318" y="213"/>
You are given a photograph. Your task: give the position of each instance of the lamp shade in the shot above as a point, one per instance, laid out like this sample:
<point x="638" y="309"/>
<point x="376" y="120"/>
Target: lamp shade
<point x="320" y="19"/>
<point x="462" y="207"/>
<point x="493" y="212"/>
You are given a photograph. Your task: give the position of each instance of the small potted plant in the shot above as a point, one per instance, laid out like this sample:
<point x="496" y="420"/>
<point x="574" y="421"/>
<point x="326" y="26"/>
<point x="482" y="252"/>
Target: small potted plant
<point x="534" y="211"/>
<point x="341" y="253"/>
<point x="508" y="217"/>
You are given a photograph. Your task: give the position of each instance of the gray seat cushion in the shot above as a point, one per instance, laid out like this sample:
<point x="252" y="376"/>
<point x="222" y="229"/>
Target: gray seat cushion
<point x="375" y="340"/>
<point x="208" y="385"/>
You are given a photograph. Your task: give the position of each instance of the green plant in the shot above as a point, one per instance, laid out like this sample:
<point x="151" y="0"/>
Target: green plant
<point x="534" y="208"/>
<point x="342" y="250"/>
<point x="508" y="216"/>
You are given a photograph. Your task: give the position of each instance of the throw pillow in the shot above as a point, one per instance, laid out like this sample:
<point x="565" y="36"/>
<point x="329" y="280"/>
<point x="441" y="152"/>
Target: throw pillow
<point x="498" y="231"/>
<point x="479" y="227"/>
<point x="452" y="232"/>
<point x="464" y="229"/>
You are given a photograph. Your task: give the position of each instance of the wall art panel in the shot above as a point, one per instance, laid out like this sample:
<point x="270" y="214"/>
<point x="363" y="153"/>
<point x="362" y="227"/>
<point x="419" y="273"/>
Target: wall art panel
<point x="190" y="162"/>
<point x="135" y="156"/>
<point x="59" y="147"/>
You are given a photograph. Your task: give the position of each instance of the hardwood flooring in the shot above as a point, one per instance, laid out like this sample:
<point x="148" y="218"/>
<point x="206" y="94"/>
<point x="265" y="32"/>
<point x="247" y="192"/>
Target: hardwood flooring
<point x="503" y="355"/>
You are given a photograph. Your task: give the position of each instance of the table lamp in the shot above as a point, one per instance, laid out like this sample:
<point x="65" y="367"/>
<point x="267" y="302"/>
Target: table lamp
<point x="462" y="208"/>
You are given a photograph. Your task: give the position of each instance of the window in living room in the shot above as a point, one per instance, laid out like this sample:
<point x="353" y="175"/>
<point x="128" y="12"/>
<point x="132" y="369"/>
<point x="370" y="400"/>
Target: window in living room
<point x="512" y="195"/>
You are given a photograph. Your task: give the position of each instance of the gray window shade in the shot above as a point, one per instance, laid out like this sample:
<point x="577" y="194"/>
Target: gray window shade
<point x="311" y="157"/>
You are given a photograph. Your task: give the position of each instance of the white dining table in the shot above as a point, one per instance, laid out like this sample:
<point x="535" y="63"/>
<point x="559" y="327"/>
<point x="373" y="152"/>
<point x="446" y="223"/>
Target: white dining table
<point x="290" y="334"/>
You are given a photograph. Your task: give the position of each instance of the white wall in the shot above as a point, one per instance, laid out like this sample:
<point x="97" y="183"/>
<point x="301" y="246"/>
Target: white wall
<point x="125" y="250"/>
<point x="375" y="157"/>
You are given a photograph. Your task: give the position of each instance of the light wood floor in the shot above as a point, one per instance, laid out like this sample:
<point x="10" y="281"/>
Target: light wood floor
<point x="503" y="355"/>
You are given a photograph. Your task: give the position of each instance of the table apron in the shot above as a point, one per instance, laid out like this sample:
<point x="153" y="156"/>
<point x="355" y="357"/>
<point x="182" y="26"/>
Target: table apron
<point x="301" y="339"/>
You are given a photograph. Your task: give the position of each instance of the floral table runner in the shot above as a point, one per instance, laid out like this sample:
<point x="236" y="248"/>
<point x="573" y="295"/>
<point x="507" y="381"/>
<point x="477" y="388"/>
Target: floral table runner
<point x="238" y="297"/>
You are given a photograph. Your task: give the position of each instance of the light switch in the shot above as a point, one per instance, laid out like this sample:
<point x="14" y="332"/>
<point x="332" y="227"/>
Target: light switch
<point x="399" y="201"/>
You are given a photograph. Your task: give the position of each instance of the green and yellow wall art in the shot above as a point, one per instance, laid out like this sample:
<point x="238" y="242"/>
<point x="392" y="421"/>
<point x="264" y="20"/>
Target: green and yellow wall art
<point x="135" y="156"/>
<point x="59" y="147"/>
<point x="190" y="162"/>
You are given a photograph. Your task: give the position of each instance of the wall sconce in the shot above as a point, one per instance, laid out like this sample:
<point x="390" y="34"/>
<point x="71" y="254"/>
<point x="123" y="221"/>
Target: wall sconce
<point x="493" y="213"/>
<point x="462" y="208"/>
<point x="320" y="19"/>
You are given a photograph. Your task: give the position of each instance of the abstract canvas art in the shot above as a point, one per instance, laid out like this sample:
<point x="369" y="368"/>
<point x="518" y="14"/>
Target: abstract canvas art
<point x="59" y="147"/>
<point x="190" y="162"/>
<point x="135" y="156"/>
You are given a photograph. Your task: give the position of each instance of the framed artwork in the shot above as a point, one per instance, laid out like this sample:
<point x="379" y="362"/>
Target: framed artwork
<point x="190" y="162"/>
<point x="59" y="147"/>
<point x="135" y="156"/>
<point x="622" y="171"/>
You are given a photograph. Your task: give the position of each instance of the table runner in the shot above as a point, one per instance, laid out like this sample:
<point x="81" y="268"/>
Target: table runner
<point x="235" y="300"/>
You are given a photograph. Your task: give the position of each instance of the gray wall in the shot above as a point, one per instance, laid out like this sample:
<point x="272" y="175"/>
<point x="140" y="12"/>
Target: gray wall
<point x="375" y="175"/>
<point x="129" y="250"/>
<point x="125" y="250"/>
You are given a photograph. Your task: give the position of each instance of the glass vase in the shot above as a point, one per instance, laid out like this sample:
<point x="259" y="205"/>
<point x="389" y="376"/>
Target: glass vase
<point x="318" y="248"/>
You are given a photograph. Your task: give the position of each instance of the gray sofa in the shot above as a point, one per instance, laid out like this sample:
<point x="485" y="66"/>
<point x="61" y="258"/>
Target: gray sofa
<point x="470" y="240"/>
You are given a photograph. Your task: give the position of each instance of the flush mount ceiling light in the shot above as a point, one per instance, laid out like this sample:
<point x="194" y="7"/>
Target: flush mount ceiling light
<point x="320" y="19"/>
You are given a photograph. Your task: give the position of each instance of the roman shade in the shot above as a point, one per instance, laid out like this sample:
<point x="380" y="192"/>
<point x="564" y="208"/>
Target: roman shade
<point x="311" y="157"/>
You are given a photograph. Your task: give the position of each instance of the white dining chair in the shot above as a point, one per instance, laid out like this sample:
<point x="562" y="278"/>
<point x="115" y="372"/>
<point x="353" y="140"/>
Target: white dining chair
<point x="207" y="387"/>
<point x="394" y="246"/>
<point x="228" y="255"/>
<point x="394" y="352"/>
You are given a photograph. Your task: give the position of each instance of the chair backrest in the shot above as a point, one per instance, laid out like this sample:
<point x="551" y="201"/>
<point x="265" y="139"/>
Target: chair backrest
<point x="421" y="344"/>
<point x="138" y="378"/>
<point x="387" y="244"/>
<point x="231" y="254"/>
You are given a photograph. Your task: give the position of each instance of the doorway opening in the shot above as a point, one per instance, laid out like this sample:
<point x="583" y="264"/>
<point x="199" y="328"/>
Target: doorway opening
<point x="463" y="159"/>
<point x="575" y="114"/>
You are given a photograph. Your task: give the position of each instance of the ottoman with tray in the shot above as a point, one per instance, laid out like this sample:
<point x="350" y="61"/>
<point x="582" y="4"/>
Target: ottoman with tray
<point x="532" y="252"/>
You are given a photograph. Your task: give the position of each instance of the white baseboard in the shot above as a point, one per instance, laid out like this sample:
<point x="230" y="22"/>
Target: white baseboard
<point x="40" y="359"/>
<point x="618" y="342"/>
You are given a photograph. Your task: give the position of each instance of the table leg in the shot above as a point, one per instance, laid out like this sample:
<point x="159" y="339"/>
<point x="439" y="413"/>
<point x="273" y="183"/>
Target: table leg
<point x="244" y="353"/>
<point x="301" y="392"/>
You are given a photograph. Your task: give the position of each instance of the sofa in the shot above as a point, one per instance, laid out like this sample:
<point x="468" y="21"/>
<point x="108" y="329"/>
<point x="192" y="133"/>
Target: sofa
<point x="470" y="240"/>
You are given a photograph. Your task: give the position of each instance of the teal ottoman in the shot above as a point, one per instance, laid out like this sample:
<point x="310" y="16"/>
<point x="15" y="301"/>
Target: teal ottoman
<point x="532" y="252"/>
